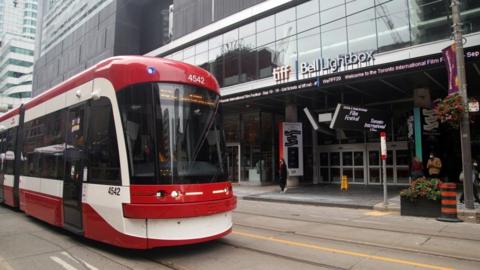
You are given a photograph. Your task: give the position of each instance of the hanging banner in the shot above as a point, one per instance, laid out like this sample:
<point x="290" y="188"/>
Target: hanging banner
<point x="356" y="118"/>
<point x="451" y="62"/>
<point x="291" y="147"/>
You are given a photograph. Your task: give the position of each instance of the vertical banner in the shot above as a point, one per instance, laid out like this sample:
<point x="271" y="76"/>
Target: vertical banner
<point x="451" y="62"/>
<point x="291" y="147"/>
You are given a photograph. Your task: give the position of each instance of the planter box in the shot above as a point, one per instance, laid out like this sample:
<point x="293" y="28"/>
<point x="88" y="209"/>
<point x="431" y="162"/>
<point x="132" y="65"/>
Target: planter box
<point x="420" y="207"/>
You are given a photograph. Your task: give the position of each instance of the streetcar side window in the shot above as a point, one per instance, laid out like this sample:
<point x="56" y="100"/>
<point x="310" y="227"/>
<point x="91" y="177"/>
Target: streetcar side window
<point x="10" y="150"/>
<point x="3" y="142"/>
<point x="43" y="153"/>
<point x="103" y="148"/>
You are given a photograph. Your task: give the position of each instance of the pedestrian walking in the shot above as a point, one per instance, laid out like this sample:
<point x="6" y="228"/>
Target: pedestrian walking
<point x="434" y="165"/>
<point x="282" y="175"/>
<point x="475" y="182"/>
<point x="416" y="168"/>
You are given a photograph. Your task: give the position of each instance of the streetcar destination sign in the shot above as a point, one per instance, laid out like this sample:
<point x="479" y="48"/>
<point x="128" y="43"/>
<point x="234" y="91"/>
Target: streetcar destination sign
<point x="354" y="117"/>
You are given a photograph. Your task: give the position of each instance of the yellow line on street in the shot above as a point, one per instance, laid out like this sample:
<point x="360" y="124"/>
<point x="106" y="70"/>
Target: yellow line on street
<point x="377" y="213"/>
<point x="341" y="251"/>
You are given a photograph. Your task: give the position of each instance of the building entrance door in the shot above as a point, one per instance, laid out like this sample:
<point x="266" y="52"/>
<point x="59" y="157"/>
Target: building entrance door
<point x="233" y="161"/>
<point x="398" y="160"/>
<point x="361" y="163"/>
<point x="338" y="160"/>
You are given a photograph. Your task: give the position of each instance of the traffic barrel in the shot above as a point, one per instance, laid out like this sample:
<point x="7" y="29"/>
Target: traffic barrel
<point x="449" y="202"/>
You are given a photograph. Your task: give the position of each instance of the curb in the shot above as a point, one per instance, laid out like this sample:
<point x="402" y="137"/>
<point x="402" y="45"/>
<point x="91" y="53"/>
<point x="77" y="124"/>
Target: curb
<point x="351" y="206"/>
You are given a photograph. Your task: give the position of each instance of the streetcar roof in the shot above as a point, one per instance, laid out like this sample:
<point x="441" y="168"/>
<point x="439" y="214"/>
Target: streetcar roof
<point x="122" y="71"/>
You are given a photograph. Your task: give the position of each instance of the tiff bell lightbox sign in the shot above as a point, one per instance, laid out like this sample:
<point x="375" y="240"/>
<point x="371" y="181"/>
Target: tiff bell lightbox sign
<point x="291" y="147"/>
<point x="354" y="117"/>
<point x="323" y="66"/>
<point x="342" y="62"/>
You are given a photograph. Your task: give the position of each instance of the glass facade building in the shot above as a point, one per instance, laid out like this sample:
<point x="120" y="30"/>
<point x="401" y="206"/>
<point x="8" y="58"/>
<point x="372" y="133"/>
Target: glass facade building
<point x="18" y="24"/>
<point x="323" y="29"/>
<point x="278" y="57"/>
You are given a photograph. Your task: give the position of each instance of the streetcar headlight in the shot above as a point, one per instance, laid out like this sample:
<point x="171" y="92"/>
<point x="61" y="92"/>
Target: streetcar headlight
<point x="151" y="70"/>
<point x="174" y="194"/>
<point x="227" y="191"/>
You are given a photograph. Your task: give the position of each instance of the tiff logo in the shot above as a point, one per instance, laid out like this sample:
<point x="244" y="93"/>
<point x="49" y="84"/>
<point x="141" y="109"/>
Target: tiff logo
<point x="282" y="73"/>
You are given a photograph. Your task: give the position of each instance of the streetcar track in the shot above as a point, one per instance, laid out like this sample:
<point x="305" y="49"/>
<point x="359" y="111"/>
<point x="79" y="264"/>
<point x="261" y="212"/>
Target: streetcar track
<point x="363" y="243"/>
<point x="436" y="234"/>
<point x="275" y="255"/>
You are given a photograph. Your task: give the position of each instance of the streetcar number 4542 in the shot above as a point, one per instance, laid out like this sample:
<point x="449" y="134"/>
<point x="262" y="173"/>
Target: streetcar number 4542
<point x="196" y="79"/>
<point x="114" y="191"/>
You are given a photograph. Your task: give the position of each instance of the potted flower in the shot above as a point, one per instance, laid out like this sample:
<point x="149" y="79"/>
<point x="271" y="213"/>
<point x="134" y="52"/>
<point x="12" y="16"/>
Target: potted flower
<point x="450" y="110"/>
<point x="421" y="198"/>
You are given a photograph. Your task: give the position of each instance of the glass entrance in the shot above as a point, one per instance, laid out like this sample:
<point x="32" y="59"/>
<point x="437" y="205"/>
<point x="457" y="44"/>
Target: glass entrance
<point x="233" y="162"/>
<point x="361" y="163"/>
<point x="398" y="158"/>
<point x="339" y="160"/>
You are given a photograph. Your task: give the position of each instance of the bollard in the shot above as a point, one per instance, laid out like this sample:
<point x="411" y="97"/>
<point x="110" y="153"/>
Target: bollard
<point x="449" y="203"/>
<point x="344" y="183"/>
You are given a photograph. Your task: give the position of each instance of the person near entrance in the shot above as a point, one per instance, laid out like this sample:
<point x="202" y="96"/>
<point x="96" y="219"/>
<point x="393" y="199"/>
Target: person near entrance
<point x="282" y="175"/>
<point x="434" y="165"/>
<point x="417" y="168"/>
<point x="475" y="182"/>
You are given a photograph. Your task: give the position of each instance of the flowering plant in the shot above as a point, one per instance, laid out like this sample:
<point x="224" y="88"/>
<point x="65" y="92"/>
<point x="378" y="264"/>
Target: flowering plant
<point x="422" y="188"/>
<point x="450" y="109"/>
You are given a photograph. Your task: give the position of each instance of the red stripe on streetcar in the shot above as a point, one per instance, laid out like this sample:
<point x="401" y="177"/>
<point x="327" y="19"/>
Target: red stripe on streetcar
<point x="43" y="206"/>
<point x="8" y="196"/>
<point x="180" y="210"/>
<point x="189" y="193"/>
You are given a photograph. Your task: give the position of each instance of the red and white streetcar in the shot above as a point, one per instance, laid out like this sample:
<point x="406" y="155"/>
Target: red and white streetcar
<point x="129" y="152"/>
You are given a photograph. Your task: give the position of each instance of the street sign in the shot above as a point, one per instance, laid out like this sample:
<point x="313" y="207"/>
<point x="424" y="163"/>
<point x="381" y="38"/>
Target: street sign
<point x="354" y="117"/>
<point x="383" y="145"/>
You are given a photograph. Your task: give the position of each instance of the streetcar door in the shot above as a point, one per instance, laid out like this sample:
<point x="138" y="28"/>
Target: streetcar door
<point x="75" y="168"/>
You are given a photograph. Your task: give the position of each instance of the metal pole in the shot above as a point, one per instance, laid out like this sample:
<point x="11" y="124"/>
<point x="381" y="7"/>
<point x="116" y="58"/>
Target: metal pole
<point x="383" y="152"/>
<point x="465" y="123"/>
<point x="385" y="198"/>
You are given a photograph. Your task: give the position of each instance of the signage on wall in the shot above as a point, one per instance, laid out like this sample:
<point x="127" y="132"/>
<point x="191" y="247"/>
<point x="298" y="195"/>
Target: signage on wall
<point x="342" y="62"/>
<point x="353" y="117"/>
<point x="282" y="74"/>
<point x="291" y="147"/>
<point x="371" y="72"/>
<point x="430" y="121"/>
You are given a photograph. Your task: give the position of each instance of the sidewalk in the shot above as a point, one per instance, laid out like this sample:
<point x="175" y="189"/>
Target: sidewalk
<point x="357" y="196"/>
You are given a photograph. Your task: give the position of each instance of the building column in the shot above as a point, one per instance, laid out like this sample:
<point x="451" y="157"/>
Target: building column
<point x="316" y="158"/>
<point x="291" y="115"/>
<point x="417" y="127"/>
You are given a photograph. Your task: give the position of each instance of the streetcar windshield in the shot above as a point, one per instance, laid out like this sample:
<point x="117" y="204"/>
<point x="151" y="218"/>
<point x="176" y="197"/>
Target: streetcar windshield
<point x="173" y="134"/>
